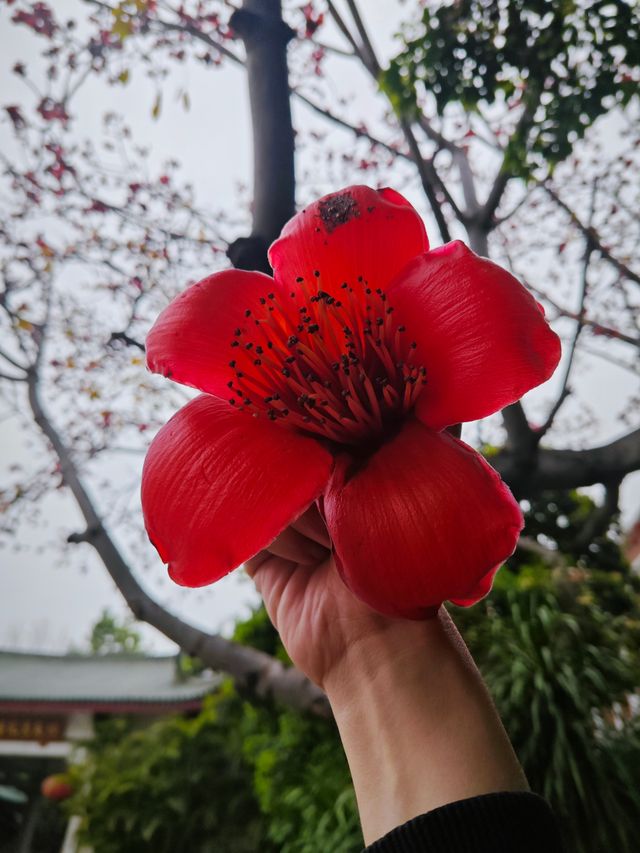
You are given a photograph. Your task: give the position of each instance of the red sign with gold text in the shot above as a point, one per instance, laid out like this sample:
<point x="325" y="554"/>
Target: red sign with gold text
<point x="39" y="728"/>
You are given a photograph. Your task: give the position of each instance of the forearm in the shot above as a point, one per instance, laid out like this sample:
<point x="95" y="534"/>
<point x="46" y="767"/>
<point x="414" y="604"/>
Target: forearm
<point x="417" y="724"/>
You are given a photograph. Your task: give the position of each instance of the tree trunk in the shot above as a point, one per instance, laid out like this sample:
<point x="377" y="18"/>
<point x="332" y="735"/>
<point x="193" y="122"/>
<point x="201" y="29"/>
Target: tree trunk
<point x="265" y="35"/>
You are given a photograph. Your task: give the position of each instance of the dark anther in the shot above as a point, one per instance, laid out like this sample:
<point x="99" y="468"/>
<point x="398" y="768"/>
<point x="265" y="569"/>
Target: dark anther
<point x="232" y="363"/>
<point x="248" y="346"/>
<point x="299" y="279"/>
<point x="389" y="310"/>
<point x="338" y="303"/>
<point x="316" y="273"/>
<point x="335" y="365"/>
<point x="402" y="328"/>
<point x="240" y="374"/>
<point x="237" y="333"/>
<point x="247" y="313"/>
<point x="344" y="285"/>
<point x="259" y="350"/>
<point x="286" y="372"/>
<point x="292" y="340"/>
<point x="230" y="383"/>
<point x="235" y="343"/>
<point x="271" y="296"/>
<point x="379" y="321"/>
<point x="257" y="362"/>
<point x="269" y="344"/>
<point x="233" y="402"/>
<point x="360" y="278"/>
<point x="367" y="290"/>
<point x="290" y="359"/>
<point x="263" y="301"/>
<point x="413" y="345"/>
<point x="314" y="327"/>
<point x="292" y="295"/>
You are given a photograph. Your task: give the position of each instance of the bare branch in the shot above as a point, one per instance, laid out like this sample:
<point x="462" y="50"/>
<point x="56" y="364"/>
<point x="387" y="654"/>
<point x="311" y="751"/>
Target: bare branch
<point x="564" y="384"/>
<point x="570" y="469"/>
<point x="13" y="378"/>
<point x="357" y="131"/>
<point x="124" y="337"/>
<point x="600" y="518"/>
<point x="344" y="29"/>
<point x="593" y="236"/>
<point x="253" y="670"/>
<point x="373" y="64"/>
<point x="505" y="174"/>
<point x="429" y="180"/>
<point x="12" y="361"/>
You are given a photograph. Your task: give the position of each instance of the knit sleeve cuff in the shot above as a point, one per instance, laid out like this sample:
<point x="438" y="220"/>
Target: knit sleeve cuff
<point x="495" y="823"/>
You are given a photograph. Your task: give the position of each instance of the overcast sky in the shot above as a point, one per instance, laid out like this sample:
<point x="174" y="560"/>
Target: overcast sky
<point x="50" y="603"/>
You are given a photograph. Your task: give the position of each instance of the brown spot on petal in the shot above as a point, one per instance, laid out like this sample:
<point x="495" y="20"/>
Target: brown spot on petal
<point x="338" y="210"/>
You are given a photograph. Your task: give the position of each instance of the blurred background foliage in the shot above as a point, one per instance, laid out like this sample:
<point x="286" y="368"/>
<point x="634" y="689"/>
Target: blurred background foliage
<point x="558" y="646"/>
<point x="564" y="58"/>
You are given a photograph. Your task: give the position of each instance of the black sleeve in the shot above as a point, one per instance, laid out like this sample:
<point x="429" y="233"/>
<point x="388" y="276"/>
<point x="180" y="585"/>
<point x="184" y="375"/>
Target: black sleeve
<point x="494" y="823"/>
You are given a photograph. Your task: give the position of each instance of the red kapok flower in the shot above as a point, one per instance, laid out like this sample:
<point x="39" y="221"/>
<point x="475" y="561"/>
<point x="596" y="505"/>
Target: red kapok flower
<point x="335" y="380"/>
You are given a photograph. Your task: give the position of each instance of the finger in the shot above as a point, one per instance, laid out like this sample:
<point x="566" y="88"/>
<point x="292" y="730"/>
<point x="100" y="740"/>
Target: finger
<point x="311" y="525"/>
<point x="295" y="546"/>
<point x="251" y="566"/>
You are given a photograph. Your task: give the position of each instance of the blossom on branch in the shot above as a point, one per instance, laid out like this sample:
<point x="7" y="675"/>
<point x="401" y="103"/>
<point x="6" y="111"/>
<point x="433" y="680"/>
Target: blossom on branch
<point x="335" y="381"/>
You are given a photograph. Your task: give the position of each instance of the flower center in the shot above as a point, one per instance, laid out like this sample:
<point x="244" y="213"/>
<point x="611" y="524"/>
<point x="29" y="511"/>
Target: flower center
<point x="341" y="368"/>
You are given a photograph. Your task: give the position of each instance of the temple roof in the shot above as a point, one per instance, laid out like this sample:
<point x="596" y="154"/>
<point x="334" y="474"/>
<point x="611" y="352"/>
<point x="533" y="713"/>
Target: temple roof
<point x="115" y="683"/>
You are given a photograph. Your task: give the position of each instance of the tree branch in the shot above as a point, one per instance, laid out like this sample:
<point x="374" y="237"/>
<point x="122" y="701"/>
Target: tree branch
<point x="128" y="341"/>
<point x="487" y="214"/>
<point x="570" y="469"/>
<point x="564" y="385"/>
<point x="252" y="670"/>
<point x="591" y="234"/>
<point x="429" y="180"/>
<point x="598" y="521"/>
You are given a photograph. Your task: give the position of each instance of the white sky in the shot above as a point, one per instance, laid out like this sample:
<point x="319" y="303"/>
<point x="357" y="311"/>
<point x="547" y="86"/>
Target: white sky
<point x="51" y="603"/>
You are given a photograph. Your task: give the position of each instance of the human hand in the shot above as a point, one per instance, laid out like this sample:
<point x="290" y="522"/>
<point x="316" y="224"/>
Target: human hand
<point x="320" y="622"/>
<point x="415" y="719"/>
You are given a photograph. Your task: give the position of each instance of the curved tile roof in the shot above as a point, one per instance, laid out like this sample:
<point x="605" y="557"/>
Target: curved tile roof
<point x="97" y="680"/>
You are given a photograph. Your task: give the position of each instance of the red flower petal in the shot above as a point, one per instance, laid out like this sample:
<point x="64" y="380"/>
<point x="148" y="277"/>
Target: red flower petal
<point x="425" y="520"/>
<point x="190" y="342"/>
<point x="217" y="486"/>
<point x="480" y="334"/>
<point x="355" y="232"/>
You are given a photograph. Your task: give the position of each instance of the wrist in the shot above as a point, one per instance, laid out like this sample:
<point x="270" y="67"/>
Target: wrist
<point x="417" y="724"/>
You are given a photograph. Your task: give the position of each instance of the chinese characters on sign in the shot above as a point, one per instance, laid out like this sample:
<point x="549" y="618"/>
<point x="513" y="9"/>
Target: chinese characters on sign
<point x="41" y="729"/>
